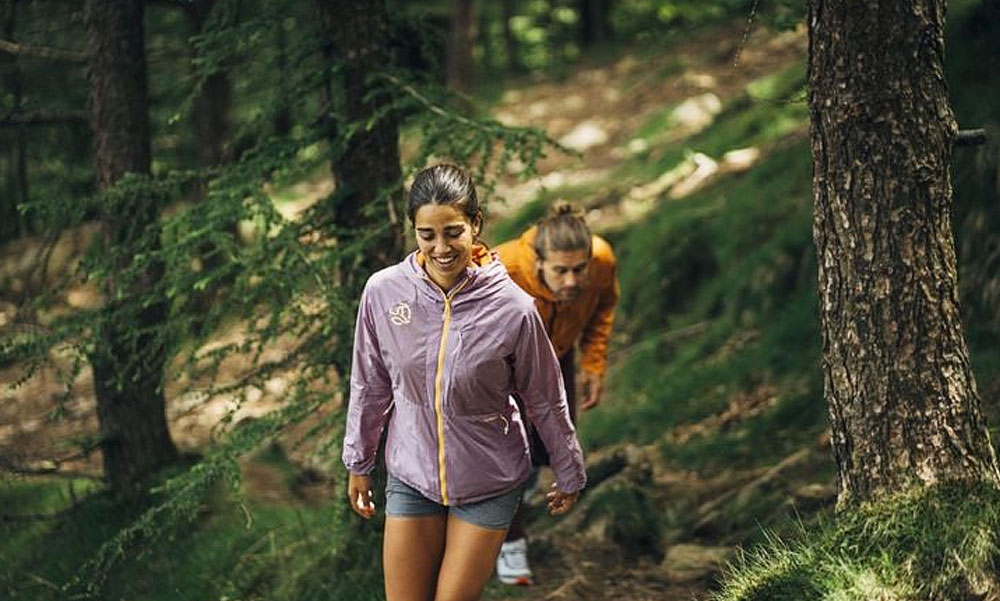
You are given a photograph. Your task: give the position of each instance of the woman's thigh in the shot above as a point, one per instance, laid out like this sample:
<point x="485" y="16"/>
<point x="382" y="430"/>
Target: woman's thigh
<point x="469" y="556"/>
<point x="411" y="555"/>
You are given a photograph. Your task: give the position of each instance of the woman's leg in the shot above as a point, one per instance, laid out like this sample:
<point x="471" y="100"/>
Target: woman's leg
<point x="470" y="552"/>
<point x="411" y="556"/>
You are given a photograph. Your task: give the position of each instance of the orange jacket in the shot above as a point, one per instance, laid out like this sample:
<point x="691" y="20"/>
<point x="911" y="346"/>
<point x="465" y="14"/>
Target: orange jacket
<point x="588" y="318"/>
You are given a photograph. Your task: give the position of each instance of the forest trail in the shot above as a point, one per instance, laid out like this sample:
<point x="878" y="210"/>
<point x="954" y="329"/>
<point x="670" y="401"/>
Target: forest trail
<point x="596" y="110"/>
<point x="599" y="110"/>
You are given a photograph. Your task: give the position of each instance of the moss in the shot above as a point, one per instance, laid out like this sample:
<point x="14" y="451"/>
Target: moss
<point x="934" y="543"/>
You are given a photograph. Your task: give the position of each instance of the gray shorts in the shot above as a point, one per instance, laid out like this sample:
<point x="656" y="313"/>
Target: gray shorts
<point x="495" y="513"/>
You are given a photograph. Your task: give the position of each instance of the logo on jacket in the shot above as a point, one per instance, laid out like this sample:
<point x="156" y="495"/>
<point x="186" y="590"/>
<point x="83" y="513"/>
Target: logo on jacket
<point x="400" y="314"/>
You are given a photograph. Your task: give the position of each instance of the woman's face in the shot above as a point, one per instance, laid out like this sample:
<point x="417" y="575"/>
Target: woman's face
<point x="444" y="237"/>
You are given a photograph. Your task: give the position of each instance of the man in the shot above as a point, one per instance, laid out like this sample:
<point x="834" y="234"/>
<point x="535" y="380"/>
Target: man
<point x="571" y="274"/>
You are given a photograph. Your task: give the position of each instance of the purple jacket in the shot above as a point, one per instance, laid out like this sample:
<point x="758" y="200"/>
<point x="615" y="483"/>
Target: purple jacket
<point x="441" y="370"/>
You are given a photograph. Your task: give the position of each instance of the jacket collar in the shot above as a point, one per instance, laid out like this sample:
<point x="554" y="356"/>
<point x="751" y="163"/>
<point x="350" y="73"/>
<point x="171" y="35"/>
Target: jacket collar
<point x="482" y="275"/>
<point x="532" y="280"/>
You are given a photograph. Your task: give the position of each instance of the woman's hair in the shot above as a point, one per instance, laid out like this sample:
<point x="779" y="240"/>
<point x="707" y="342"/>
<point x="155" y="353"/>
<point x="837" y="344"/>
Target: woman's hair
<point x="563" y="230"/>
<point x="444" y="184"/>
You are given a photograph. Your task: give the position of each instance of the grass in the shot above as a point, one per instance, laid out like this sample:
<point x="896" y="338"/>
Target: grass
<point x="935" y="543"/>
<point x="238" y="548"/>
<point x="736" y="258"/>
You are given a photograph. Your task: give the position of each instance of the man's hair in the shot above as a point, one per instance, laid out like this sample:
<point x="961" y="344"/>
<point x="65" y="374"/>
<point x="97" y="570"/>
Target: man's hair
<point x="563" y="230"/>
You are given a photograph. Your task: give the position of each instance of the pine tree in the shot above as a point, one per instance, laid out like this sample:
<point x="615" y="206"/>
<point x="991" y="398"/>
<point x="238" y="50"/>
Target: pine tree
<point x="129" y="354"/>
<point x="904" y="407"/>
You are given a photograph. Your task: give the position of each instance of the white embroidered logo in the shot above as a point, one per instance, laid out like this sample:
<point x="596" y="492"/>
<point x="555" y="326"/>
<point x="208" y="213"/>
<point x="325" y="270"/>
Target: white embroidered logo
<point x="400" y="314"/>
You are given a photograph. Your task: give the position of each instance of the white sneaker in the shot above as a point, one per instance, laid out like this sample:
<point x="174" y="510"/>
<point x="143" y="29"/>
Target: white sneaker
<point x="512" y="564"/>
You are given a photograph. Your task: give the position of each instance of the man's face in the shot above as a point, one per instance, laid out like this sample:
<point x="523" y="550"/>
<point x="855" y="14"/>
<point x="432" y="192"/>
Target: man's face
<point x="565" y="272"/>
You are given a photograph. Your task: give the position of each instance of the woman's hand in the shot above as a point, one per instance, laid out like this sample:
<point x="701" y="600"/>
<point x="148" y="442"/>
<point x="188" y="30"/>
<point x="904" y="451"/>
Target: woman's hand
<point x="360" y="496"/>
<point x="560" y="502"/>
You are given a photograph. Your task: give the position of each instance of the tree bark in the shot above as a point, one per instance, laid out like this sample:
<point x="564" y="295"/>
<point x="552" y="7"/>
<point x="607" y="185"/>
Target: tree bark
<point x="595" y="27"/>
<point x="128" y="358"/>
<point x="282" y="117"/>
<point x="904" y="407"/>
<point x="212" y="109"/>
<point x="509" y="11"/>
<point x="460" y="70"/>
<point x="58" y="54"/>
<point x="11" y="222"/>
<point x="368" y="170"/>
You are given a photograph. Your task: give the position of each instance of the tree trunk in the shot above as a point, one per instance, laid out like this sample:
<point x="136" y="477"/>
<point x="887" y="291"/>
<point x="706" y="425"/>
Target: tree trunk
<point x="12" y="223"/>
<point x="128" y="358"/>
<point x="595" y="27"/>
<point x="903" y="402"/>
<point x="282" y="117"/>
<point x="213" y="107"/>
<point x="509" y="11"/>
<point x="460" y="70"/>
<point x="367" y="171"/>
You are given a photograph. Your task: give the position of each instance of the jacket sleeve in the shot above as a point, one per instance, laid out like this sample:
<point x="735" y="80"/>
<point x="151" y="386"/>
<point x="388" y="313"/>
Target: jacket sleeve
<point x="539" y="384"/>
<point x="594" y="340"/>
<point x="371" y="394"/>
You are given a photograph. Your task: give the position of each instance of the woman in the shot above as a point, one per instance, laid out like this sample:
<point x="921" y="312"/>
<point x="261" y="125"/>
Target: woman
<point x="443" y="339"/>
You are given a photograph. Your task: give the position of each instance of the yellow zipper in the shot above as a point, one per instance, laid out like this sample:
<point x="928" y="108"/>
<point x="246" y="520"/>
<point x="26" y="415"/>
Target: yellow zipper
<point x="438" y="408"/>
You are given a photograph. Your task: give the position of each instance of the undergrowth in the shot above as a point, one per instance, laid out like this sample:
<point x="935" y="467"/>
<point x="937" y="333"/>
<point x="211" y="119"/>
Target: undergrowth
<point x="936" y="543"/>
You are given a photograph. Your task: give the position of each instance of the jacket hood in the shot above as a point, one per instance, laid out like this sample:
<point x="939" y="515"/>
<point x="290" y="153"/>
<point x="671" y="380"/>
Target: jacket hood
<point x="527" y="269"/>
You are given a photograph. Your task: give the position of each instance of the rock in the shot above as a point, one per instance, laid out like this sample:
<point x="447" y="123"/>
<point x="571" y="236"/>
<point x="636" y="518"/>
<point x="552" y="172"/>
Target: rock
<point x="686" y="562"/>
<point x="247" y="231"/>
<point x="663" y="183"/>
<point x="276" y="386"/>
<point x="253" y="394"/>
<point x="7" y="312"/>
<point x="511" y="96"/>
<point x="507" y="118"/>
<point x="705" y="167"/>
<point x="637" y="146"/>
<point x="584" y="136"/>
<point x="698" y="80"/>
<point x="810" y="497"/>
<point x="538" y="109"/>
<point x="740" y="159"/>
<point x="695" y="114"/>
<point x="84" y="296"/>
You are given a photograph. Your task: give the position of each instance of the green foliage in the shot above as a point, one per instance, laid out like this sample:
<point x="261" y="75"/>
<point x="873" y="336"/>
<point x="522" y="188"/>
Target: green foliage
<point x="934" y="543"/>
<point x="511" y="228"/>
<point x="657" y="18"/>
<point x="629" y="517"/>
<point x="278" y="288"/>
<point x="237" y="547"/>
<point x="977" y="193"/>
<point x="727" y="277"/>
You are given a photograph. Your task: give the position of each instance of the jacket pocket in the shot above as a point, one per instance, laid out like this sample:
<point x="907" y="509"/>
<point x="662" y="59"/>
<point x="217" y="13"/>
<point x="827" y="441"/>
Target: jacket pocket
<point x="499" y="419"/>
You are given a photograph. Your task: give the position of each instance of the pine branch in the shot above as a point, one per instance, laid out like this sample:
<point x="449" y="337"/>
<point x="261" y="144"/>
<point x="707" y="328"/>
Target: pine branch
<point x="971" y="137"/>
<point x="46" y="52"/>
<point x="53" y="465"/>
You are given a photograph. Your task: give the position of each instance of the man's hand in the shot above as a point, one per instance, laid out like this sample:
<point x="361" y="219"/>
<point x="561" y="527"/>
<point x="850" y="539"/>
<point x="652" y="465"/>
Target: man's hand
<point x="592" y="384"/>
<point x="359" y="493"/>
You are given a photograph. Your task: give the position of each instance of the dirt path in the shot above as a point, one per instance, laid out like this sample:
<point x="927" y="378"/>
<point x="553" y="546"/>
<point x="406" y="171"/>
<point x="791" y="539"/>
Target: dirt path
<point x="599" y="108"/>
